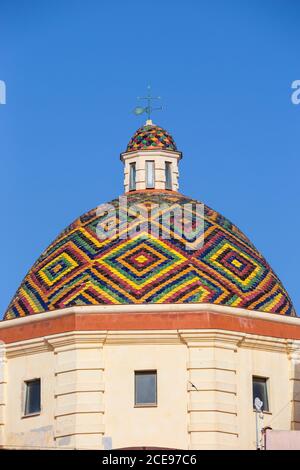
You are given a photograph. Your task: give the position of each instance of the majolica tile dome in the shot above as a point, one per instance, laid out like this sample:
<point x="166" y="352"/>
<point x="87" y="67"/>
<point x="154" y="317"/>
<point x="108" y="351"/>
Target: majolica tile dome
<point x="79" y="268"/>
<point x="151" y="137"/>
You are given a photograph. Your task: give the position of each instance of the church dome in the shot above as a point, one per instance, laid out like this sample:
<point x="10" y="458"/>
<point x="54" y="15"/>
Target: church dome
<point x="79" y="268"/>
<point x="149" y="137"/>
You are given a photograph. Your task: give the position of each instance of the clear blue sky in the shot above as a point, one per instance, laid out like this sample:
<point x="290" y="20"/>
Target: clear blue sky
<point x="73" y="70"/>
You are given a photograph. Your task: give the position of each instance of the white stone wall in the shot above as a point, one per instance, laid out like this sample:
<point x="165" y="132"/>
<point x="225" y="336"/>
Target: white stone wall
<point x="3" y="392"/>
<point x="294" y="378"/>
<point x="160" y="157"/>
<point x="29" y="360"/>
<point x="164" y="425"/>
<point x="79" y="390"/>
<point x="212" y="389"/>
<point x="204" y="389"/>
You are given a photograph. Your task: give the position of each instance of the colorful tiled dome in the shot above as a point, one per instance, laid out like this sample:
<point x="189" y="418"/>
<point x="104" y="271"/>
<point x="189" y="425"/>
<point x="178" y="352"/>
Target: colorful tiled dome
<point x="151" y="137"/>
<point x="79" y="268"/>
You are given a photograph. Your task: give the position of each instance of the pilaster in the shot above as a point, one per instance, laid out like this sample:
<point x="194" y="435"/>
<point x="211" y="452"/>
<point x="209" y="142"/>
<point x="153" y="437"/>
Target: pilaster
<point x="294" y="363"/>
<point x="212" y="389"/>
<point x="3" y="395"/>
<point x="79" y="389"/>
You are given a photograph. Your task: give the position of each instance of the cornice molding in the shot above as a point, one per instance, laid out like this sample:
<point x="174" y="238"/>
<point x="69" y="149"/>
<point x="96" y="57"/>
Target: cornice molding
<point x="211" y="338"/>
<point x="264" y="343"/>
<point x="147" y="153"/>
<point x="293" y="349"/>
<point x="199" y="338"/>
<point x="27" y="347"/>
<point x="77" y="340"/>
<point x="234" y="340"/>
<point x="143" y="337"/>
<point x="151" y="308"/>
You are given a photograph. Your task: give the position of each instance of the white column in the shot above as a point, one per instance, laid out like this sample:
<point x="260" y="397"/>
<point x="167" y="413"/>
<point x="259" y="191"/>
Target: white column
<point x="79" y="390"/>
<point x="3" y="396"/>
<point x="294" y="359"/>
<point x="212" y="389"/>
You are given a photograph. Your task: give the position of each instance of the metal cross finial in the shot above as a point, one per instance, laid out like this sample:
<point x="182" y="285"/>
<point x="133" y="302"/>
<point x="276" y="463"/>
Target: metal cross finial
<point x="149" y="108"/>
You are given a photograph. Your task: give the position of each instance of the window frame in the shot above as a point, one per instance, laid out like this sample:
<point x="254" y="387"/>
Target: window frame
<point x="25" y="391"/>
<point x="145" y="372"/>
<point x="266" y="381"/>
<point x="132" y="176"/>
<point x="168" y="176"/>
<point x="151" y="186"/>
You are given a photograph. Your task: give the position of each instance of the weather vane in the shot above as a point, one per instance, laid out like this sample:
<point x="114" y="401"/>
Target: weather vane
<point x="149" y="108"/>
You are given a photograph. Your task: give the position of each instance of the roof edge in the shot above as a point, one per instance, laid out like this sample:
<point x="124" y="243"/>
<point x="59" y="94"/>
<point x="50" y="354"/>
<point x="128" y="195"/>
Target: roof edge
<point x="151" y="308"/>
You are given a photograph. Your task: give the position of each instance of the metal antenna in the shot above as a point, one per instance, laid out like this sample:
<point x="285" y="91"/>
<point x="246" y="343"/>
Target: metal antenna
<point x="149" y="108"/>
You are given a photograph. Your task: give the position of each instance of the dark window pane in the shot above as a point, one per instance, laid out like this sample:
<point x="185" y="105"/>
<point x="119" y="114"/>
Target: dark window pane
<point x="132" y="177"/>
<point x="168" y="176"/>
<point x="33" y="397"/>
<point x="145" y="388"/>
<point x="260" y="391"/>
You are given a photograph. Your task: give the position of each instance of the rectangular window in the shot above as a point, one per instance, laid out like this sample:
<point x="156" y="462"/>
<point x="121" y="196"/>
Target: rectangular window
<point x="150" y="174"/>
<point x="145" y="388"/>
<point x="132" y="177"/>
<point x="168" y="175"/>
<point x="32" y="397"/>
<point x="260" y="390"/>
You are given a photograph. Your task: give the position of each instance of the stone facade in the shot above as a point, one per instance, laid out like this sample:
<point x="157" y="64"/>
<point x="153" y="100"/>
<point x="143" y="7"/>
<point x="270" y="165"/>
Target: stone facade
<point x="205" y="357"/>
<point x="160" y="157"/>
